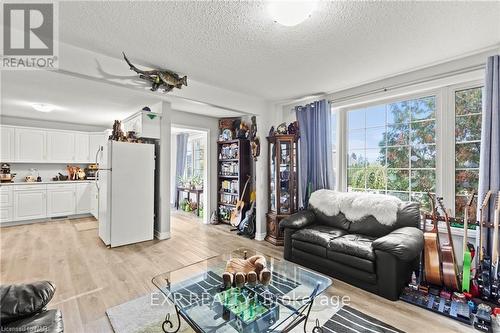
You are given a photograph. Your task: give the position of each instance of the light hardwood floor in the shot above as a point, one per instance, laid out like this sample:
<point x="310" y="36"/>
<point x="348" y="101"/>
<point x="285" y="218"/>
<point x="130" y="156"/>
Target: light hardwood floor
<point x="91" y="278"/>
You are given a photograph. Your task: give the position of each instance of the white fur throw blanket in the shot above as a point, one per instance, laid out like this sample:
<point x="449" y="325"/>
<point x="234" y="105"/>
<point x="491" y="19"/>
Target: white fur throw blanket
<point x="356" y="205"/>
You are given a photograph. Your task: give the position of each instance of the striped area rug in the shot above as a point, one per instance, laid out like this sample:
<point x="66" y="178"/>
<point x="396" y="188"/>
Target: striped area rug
<point x="348" y="320"/>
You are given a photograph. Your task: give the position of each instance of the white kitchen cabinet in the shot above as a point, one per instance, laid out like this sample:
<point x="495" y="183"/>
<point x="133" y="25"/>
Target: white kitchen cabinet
<point x="96" y="140"/>
<point x="145" y="124"/>
<point x="5" y="214"/>
<point x="30" y="145"/>
<point x="83" y="198"/>
<point x="82" y="148"/>
<point x="6" y="144"/>
<point x="61" y="200"/>
<point x="60" y="146"/>
<point x="30" y="202"/>
<point x="6" y="204"/>
<point x="94" y="200"/>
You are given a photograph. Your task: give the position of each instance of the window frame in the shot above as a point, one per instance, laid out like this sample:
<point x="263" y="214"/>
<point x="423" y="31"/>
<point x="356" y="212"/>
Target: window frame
<point x="445" y="134"/>
<point x="193" y="150"/>
<point x="451" y="90"/>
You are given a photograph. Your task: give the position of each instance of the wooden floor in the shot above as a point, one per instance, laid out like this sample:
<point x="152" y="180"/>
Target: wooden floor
<point x="91" y="278"/>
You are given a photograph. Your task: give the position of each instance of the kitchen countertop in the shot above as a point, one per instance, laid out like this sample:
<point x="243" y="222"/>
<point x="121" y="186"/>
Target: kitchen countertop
<point x="49" y="182"/>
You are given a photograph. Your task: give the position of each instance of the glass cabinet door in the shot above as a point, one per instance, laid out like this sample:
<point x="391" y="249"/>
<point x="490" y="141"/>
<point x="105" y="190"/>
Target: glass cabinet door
<point x="272" y="176"/>
<point x="285" y="169"/>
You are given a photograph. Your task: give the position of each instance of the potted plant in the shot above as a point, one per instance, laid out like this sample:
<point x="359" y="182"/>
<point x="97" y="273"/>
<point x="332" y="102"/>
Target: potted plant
<point x="197" y="181"/>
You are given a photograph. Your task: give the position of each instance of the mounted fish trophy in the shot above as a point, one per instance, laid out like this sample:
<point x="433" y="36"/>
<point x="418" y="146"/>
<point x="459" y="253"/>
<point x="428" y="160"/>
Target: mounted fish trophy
<point x="167" y="80"/>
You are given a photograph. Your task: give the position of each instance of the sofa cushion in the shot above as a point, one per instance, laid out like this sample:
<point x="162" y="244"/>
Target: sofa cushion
<point x="43" y="322"/>
<point x="314" y="249"/>
<point x="352" y="261"/>
<point x="24" y="300"/>
<point x="318" y="234"/>
<point x="354" y="245"/>
<point x="337" y="221"/>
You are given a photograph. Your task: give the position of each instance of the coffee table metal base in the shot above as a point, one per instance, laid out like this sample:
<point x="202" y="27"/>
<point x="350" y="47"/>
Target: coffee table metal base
<point x="169" y="327"/>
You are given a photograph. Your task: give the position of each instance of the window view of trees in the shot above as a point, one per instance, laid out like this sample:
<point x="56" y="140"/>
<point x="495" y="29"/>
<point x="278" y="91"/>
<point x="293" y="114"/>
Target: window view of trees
<point x="468" y="107"/>
<point x="392" y="149"/>
<point x="195" y="157"/>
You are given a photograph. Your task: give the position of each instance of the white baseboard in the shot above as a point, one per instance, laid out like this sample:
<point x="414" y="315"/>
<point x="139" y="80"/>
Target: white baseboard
<point x="162" y="235"/>
<point x="260" y="237"/>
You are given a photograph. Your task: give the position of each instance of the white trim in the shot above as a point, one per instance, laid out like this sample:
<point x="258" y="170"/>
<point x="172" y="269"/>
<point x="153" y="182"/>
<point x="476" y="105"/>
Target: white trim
<point x="162" y="235"/>
<point x="260" y="237"/>
<point x="417" y="89"/>
<point x="207" y="190"/>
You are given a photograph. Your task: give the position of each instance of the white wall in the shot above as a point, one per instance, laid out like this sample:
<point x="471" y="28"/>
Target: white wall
<point x="45" y="170"/>
<point x="465" y="68"/>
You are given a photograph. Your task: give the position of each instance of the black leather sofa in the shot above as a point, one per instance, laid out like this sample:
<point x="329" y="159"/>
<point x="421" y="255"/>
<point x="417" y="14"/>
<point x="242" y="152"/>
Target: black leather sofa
<point x="23" y="308"/>
<point x="367" y="254"/>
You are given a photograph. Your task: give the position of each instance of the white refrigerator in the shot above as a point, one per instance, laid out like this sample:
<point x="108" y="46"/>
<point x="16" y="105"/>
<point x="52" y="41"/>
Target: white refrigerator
<point x="125" y="182"/>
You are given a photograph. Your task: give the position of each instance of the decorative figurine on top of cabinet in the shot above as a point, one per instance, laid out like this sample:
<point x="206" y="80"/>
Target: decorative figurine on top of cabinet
<point x="253" y="128"/>
<point x="293" y="128"/>
<point x="282" y="129"/>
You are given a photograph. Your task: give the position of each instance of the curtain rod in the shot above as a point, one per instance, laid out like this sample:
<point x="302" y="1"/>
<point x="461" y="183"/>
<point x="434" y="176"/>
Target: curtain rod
<point x="411" y="83"/>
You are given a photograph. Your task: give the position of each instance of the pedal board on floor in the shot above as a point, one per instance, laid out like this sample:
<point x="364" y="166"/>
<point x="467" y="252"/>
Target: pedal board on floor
<point x="449" y="308"/>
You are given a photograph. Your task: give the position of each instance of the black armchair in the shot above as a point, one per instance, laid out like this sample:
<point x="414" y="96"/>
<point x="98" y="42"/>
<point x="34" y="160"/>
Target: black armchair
<point x="23" y="308"/>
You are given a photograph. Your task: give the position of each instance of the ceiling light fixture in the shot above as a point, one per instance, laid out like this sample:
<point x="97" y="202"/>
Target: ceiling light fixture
<point x="42" y="107"/>
<point x="290" y="13"/>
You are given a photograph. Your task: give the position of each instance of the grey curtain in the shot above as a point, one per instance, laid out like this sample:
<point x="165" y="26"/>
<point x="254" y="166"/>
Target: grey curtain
<point x="489" y="165"/>
<point x="315" y="148"/>
<point x="180" y="163"/>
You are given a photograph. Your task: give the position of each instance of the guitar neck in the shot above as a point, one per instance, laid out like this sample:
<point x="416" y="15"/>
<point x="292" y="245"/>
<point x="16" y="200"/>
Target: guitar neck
<point x="484" y="204"/>
<point x="466" y="228"/>
<point x="494" y="250"/>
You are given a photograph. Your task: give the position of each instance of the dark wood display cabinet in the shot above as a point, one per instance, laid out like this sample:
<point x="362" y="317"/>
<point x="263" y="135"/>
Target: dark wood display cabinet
<point x="233" y="170"/>
<point x="283" y="189"/>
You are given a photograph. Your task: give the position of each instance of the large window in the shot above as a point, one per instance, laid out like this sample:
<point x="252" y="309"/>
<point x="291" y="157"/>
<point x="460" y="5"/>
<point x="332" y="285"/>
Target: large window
<point x="392" y="149"/>
<point x="468" y="107"/>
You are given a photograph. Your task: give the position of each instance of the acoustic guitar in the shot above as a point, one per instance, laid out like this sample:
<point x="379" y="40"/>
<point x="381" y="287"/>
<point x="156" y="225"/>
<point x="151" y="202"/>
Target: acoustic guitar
<point x="449" y="263"/>
<point x="466" y="266"/>
<point x="237" y="213"/>
<point x="432" y="260"/>
<point x="484" y="262"/>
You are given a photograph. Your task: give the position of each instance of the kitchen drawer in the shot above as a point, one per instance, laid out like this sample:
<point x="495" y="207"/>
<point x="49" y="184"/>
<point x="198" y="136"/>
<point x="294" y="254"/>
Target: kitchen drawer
<point x="6" y="196"/>
<point x="29" y="188"/>
<point x="5" y="214"/>
<point x="60" y="187"/>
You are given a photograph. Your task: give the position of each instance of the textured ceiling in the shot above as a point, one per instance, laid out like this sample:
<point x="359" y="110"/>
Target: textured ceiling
<point x="236" y="45"/>
<point x="82" y="101"/>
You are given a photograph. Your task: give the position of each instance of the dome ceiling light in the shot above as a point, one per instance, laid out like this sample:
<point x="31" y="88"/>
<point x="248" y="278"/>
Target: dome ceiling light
<point x="290" y="13"/>
<point x="42" y="107"/>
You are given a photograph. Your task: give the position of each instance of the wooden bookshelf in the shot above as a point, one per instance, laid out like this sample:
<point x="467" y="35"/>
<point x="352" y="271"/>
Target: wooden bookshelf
<point x="233" y="167"/>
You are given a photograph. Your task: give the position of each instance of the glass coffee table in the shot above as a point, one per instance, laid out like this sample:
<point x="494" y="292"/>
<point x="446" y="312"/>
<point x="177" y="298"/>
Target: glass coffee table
<point x="197" y="294"/>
